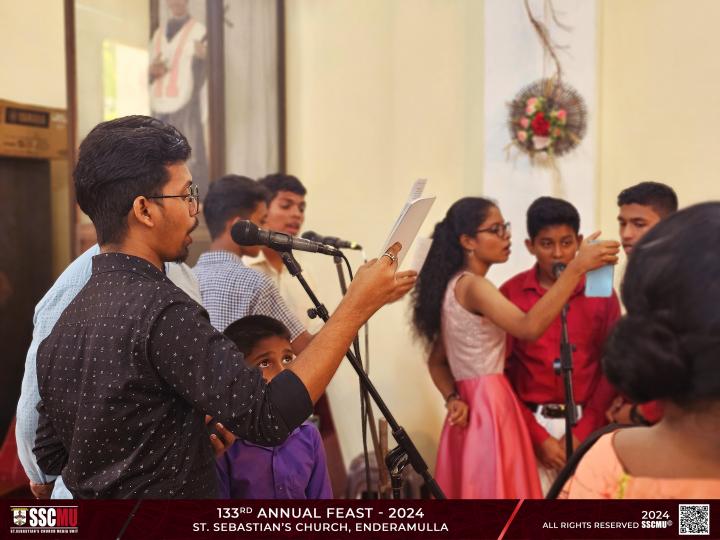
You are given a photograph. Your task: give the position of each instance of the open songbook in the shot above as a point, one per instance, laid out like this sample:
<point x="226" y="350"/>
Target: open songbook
<point x="410" y="220"/>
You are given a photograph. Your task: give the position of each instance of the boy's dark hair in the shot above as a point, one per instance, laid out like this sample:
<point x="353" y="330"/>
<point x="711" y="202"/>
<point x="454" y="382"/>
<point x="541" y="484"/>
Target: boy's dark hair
<point x="120" y="160"/>
<point x="548" y="211"/>
<point x="282" y="182"/>
<point x="231" y="196"/>
<point x="248" y="331"/>
<point x="660" y="197"/>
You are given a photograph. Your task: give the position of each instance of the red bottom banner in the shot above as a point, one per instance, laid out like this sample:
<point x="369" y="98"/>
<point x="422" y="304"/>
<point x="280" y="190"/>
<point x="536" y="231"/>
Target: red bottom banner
<point x="345" y="519"/>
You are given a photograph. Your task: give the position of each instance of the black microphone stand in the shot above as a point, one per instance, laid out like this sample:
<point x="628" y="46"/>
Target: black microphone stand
<point x="366" y="410"/>
<point x="341" y="275"/>
<point x="564" y="366"/>
<point x="409" y="451"/>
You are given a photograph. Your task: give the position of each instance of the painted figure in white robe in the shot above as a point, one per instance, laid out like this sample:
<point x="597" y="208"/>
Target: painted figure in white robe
<point x="178" y="72"/>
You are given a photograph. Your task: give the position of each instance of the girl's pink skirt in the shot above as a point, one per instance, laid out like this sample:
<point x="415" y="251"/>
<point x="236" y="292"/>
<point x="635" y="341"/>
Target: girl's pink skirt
<point x="491" y="458"/>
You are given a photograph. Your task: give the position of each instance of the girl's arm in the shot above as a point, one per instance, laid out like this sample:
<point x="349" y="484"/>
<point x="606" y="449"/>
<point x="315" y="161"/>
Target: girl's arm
<point x="439" y="369"/>
<point x="445" y="382"/>
<point x="477" y="294"/>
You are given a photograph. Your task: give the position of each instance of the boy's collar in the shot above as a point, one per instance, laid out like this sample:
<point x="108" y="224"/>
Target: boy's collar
<point x="271" y="448"/>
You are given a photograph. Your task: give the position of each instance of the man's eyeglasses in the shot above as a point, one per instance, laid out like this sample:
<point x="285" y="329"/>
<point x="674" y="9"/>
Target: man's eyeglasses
<point x="502" y="230"/>
<point x="192" y="197"/>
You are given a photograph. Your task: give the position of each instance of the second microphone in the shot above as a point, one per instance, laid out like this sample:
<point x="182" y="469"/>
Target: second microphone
<point x="246" y="233"/>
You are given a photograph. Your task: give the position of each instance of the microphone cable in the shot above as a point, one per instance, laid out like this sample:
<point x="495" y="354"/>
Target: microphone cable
<point x="366" y="413"/>
<point x="364" y="398"/>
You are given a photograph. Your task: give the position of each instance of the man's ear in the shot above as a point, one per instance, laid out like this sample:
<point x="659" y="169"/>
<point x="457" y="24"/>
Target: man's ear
<point x="530" y="247"/>
<point x="579" y="240"/>
<point x="143" y="211"/>
<point x="232" y="221"/>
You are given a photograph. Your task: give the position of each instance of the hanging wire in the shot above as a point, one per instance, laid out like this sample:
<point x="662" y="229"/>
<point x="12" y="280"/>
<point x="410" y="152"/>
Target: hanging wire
<point x="364" y="400"/>
<point x="549" y="46"/>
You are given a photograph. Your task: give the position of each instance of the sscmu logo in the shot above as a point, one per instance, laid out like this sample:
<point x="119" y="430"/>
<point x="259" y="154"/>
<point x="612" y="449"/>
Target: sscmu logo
<point x="44" y="519"/>
<point x="19" y="516"/>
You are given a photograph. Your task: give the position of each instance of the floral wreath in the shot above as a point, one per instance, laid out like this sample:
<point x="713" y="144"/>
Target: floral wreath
<point x="547" y="117"/>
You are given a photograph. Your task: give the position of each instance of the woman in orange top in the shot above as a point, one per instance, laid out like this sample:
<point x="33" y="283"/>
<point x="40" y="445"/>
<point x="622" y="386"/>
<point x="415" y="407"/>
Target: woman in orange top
<point x="666" y="348"/>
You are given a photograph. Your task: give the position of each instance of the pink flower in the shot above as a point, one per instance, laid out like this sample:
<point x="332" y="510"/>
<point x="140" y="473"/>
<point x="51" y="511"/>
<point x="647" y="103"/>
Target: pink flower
<point x="521" y="135"/>
<point x="562" y="116"/>
<point x="531" y="105"/>
<point x="524" y="122"/>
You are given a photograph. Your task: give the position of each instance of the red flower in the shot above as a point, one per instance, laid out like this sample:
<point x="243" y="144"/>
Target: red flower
<point x="540" y="125"/>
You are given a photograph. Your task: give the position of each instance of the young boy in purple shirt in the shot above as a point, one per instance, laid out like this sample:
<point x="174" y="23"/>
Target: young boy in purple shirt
<point x="294" y="470"/>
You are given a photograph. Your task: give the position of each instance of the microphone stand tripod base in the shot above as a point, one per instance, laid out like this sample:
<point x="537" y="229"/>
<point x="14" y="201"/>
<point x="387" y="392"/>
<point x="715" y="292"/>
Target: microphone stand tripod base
<point x="399" y="433"/>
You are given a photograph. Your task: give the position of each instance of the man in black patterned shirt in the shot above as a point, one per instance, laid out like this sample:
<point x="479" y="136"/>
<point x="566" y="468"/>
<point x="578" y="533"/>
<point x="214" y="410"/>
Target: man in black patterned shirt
<point x="133" y="364"/>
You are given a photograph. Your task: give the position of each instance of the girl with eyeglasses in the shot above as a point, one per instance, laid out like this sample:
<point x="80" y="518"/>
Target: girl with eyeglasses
<point x="485" y="449"/>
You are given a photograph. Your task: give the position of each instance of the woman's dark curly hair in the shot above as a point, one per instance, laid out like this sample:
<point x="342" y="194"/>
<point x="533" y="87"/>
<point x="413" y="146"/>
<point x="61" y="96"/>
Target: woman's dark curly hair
<point x="668" y="344"/>
<point x="445" y="258"/>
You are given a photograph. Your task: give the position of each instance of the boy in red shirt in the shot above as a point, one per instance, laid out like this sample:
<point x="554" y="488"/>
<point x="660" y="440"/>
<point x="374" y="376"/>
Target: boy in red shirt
<point x="553" y="237"/>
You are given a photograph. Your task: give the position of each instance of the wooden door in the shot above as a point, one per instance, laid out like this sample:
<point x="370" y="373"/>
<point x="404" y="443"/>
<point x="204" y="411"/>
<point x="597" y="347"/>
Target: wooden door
<point x="25" y="267"/>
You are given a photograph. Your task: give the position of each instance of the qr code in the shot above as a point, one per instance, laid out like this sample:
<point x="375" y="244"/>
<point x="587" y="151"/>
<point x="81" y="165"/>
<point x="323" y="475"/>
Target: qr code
<point x="695" y="519"/>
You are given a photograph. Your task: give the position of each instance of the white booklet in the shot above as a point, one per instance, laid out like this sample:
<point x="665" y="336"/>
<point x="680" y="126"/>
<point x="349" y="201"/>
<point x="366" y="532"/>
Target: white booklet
<point x="422" y="249"/>
<point x="410" y="220"/>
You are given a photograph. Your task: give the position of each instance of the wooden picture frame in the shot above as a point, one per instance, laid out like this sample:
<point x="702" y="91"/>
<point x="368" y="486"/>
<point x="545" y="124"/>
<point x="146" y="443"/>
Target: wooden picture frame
<point x="217" y="15"/>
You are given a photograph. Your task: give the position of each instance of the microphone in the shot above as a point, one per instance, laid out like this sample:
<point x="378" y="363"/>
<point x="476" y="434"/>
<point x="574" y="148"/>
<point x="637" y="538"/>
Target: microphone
<point x="333" y="241"/>
<point x="246" y="233"/>
<point x="557" y="269"/>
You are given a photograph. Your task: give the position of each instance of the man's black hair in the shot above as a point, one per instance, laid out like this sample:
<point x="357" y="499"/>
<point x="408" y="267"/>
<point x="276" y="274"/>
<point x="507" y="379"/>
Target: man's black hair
<point x="282" y="182"/>
<point x="120" y="160"/>
<point x="248" y="331"/>
<point x="660" y="197"/>
<point x="231" y="196"/>
<point x="548" y="211"/>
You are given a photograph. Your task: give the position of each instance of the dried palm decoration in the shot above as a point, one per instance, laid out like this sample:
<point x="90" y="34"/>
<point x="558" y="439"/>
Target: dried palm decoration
<point x="548" y="118"/>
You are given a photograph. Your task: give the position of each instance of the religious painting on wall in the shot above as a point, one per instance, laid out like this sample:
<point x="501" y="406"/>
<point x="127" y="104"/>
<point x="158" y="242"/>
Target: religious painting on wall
<point x="205" y="51"/>
<point x="215" y="73"/>
<point x="254" y="86"/>
<point x="212" y="68"/>
<point x="177" y="77"/>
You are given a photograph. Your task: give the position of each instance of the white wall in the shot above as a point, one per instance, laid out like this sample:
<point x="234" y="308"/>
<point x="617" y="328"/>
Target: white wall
<point x="33" y="52"/>
<point x="660" y="82"/>
<point x="381" y="93"/>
